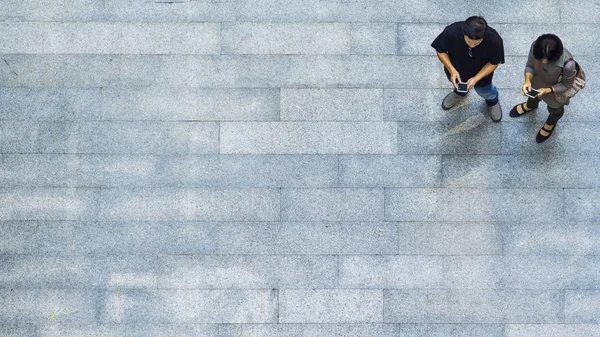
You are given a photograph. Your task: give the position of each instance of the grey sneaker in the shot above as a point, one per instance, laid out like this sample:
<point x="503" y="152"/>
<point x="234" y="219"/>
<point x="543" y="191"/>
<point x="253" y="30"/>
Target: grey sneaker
<point x="450" y="100"/>
<point x="495" y="112"/>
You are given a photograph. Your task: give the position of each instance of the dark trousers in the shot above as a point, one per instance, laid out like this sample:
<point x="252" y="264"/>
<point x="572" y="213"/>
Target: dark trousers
<point x="555" y="113"/>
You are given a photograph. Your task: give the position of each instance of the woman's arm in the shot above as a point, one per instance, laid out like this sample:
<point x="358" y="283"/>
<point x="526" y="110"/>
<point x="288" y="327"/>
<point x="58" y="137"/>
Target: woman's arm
<point x="569" y="74"/>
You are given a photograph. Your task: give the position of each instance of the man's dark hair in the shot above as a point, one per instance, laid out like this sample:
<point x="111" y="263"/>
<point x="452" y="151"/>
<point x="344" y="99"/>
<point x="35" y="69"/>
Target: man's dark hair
<point x="475" y="27"/>
<point x="547" y="46"/>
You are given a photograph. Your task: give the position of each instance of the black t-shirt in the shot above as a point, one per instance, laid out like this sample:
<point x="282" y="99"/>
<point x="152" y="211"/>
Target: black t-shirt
<point x="452" y="41"/>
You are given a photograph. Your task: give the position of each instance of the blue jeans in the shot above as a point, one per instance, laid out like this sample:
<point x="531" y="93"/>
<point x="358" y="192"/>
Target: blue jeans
<point x="488" y="92"/>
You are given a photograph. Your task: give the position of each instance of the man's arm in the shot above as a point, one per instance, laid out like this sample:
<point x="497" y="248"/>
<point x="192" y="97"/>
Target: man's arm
<point x="486" y="70"/>
<point x="454" y="75"/>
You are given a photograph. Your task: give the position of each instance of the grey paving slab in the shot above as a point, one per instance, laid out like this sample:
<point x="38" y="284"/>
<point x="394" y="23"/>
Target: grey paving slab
<point x="286" y="38"/>
<point x="307" y="137"/>
<point x="580" y="11"/>
<point x="374" y="38"/>
<point x="389" y="272"/>
<point x="308" y="238"/>
<point x="190" y="204"/>
<point x="17" y="330"/>
<point x="48" y="204"/>
<point x="510" y="75"/>
<point x="472" y="135"/>
<point x="554" y="330"/>
<point x="340" y="204"/>
<point x="166" y="11"/>
<point x="129" y="306"/>
<point x="450" y="239"/>
<point x="40" y="170"/>
<point x="330" y="306"/>
<point x="35" y="10"/>
<point x="309" y="330"/>
<point x="18" y="237"/>
<point x="552" y="272"/>
<point x="568" y="138"/>
<point x="454" y="330"/>
<point x="166" y="103"/>
<point x="390" y="171"/>
<point x="18" y="136"/>
<point x="416" y="39"/>
<point x="92" y="330"/>
<point x="68" y="238"/>
<point x="577" y="38"/>
<point x="472" y="306"/>
<point x="331" y="104"/>
<point x="39" y="306"/>
<point x="417" y="105"/>
<point x="26" y="38"/>
<point x="49" y="104"/>
<point x="247" y="272"/>
<point x="520" y="171"/>
<point x="581" y="204"/>
<point x="561" y="238"/>
<point x="34" y="271"/>
<point x="582" y="306"/>
<point x="448" y="204"/>
<point x="171" y="330"/>
<point x="474" y="272"/>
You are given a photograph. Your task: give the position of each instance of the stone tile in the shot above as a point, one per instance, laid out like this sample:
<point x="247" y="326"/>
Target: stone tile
<point x="582" y="306"/>
<point x="451" y="330"/>
<point x="577" y="38"/>
<point x="18" y="237"/>
<point x="580" y="204"/>
<point x="474" y="272"/>
<point x="21" y="38"/>
<point x="91" y="330"/>
<point x="396" y="272"/>
<point x="569" y="138"/>
<point x="308" y="137"/>
<point x="39" y="306"/>
<point x="331" y="306"/>
<point x="471" y="306"/>
<point x="247" y="272"/>
<point x="521" y="171"/>
<point x="190" y="204"/>
<point x="374" y="38"/>
<point x="416" y="39"/>
<point x="126" y="238"/>
<point x="309" y="330"/>
<point x="390" y="171"/>
<point x="563" y="238"/>
<point x="17" y="330"/>
<point x="579" y="11"/>
<point x="419" y="105"/>
<point x="170" y="38"/>
<point x="40" y="170"/>
<point x="510" y="75"/>
<point x="49" y="104"/>
<point x="552" y="272"/>
<point x="334" y="204"/>
<point x="188" y="306"/>
<point x="476" y="134"/>
<point x="533" y="205"/>
<point x="286" y="38"/>
<point x="34" y="10"/>
<point x="331" y="104"/>
<point x="18" y="137"/>
<point x="157" y="103"/>
<point x="48" y="204"/>
<point x="554" y="330"/>
<point x="450" y="239"/>
<point x="308" y="238"/>
<point x="165" y="11"/>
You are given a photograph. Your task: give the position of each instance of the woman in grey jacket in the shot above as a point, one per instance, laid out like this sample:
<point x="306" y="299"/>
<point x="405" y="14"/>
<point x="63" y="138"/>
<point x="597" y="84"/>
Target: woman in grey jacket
<point x="548" y="71"/>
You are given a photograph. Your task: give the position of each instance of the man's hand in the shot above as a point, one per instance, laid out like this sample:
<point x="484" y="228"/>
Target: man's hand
<point x="455" y="78"/>
<point x="471" y="82"/>
<point x="543" y="92"/>
<point x="526" y="87"/>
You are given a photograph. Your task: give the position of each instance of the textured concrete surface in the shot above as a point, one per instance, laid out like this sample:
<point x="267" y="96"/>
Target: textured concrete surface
<point x="282" y="168"/>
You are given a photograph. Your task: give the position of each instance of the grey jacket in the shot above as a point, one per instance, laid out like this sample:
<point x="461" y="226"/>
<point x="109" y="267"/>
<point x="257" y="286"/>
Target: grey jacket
<point x="546" y="75"/>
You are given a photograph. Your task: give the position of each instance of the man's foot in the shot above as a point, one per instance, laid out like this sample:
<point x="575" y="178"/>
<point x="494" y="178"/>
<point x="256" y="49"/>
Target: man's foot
<point x="495" y="112"/>
<point x="544" y="133"/>
<point x="519" y="110"/>
<point x="450" y="100"/>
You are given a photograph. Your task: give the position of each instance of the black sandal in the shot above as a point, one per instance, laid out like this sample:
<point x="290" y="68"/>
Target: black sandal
<point x="515" y="113"/>
<point x="541" y="138"/>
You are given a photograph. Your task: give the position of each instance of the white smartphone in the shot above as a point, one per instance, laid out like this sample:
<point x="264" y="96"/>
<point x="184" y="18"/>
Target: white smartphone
<point x="462" y="87"/>
<point x="533" y="93"/>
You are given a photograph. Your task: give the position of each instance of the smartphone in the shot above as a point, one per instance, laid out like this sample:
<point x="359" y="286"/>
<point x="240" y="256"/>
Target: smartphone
<point x="533" y="93"/>
<point x="462" y="87"/>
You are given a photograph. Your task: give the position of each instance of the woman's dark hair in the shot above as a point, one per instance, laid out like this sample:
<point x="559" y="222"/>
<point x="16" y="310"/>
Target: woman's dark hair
<point x="547" y="46"/>
<point x="475" y="27"/>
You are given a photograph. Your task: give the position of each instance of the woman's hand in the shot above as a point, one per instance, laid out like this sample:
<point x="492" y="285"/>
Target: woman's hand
<point x="526" y="87"/>
<point x="544" y="91"/>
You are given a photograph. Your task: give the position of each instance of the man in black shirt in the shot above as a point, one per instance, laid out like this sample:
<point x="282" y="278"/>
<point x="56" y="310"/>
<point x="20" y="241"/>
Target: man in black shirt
<point x="470" y="52"/>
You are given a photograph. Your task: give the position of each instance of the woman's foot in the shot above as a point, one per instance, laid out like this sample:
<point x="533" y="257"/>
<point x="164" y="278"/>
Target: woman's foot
<point x="544" y="133"/>
<point x="519" y="110"/>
